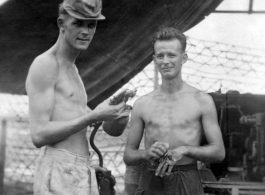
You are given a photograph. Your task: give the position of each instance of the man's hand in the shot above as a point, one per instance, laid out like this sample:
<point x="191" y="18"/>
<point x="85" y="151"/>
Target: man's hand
<point x="99" y="168"/>
<point x="157" y="150"/>
<point x="115" y="107"/>
<point x="170" y="159"/>
<point x="129" y="94"/>
<point x="122" y="95"/>
<point x="106" y="112"/>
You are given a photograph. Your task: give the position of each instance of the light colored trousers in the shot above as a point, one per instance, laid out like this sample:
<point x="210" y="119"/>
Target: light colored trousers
<point x="59" y="172"/>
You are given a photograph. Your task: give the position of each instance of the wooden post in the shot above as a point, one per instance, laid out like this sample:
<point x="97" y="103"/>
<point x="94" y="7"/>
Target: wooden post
<point x="2" y="155"/>
<point x="235" y="190"/>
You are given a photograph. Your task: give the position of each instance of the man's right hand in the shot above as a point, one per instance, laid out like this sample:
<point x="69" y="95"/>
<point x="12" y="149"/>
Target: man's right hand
<point x="157" y="150"/>
<point x="106" y="112"/>
<point x="122" y="95"/>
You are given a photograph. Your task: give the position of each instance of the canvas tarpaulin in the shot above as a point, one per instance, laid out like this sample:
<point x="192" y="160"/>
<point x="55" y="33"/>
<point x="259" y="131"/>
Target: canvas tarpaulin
<point x="120" y="49"/>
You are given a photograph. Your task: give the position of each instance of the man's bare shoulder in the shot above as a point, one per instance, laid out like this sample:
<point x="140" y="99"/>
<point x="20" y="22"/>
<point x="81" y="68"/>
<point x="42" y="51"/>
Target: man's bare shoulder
<point x="203" y="97"/>
<point x="44" y="69"/>
<point x="200" y="96"/>
<point x="139" y="106"/>
<point x="205" y="100"/>
<point x="141" y="101"/>
<point x="44" y="62"/>
<point x="190" y="89"/>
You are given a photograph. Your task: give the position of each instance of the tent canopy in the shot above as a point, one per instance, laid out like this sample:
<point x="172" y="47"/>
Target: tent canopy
<point x="120" y="49"/>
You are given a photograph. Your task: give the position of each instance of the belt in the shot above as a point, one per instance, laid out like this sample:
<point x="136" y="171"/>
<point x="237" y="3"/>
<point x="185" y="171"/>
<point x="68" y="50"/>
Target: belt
<point x="178" y="167"/>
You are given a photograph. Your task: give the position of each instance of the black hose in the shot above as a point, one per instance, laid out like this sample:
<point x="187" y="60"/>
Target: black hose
<point x="94" y="131"/>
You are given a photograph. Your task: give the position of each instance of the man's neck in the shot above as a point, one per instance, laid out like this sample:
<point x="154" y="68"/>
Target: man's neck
<point x="172" y="86"/>
<point x="65" y="51"/>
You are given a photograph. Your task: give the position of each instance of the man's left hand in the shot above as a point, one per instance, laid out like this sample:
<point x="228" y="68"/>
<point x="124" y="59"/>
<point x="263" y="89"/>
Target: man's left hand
<point x="172" y="157"/>
<point x="99" y="168"/>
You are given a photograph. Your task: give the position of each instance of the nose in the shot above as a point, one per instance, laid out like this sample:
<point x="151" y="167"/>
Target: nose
<point x="85" y="31"/>
<point x="165" y="60"/>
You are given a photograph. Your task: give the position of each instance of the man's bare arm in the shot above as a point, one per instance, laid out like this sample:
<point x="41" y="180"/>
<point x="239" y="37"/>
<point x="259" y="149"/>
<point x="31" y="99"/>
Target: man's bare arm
<point x="132" y="155"/>
<point x="40" y="85"/>
<point x="214" y="151"/>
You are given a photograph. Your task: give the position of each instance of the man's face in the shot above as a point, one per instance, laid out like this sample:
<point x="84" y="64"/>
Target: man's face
<point x="79" y="33"/>
<point x="169" y="58"/>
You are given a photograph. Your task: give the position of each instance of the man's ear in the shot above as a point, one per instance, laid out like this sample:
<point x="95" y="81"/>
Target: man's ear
<point x="154" y="58"/>
<point x="184" y="58"/>
<point x="60" y="23"/>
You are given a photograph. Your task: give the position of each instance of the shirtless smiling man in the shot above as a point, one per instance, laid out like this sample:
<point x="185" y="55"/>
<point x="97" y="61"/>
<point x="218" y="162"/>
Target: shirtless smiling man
<point x="172" y="119"/>
<point x="58" y="112"/>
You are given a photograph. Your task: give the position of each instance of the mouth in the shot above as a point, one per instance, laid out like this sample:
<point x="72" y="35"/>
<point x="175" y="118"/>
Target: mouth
<point x="166" y="69"/>
<point x="87" y="40"/>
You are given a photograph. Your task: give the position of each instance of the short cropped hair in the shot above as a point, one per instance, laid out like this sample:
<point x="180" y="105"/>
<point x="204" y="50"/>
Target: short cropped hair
<point x="170" y="33"/>
<point x="61" y="10"/>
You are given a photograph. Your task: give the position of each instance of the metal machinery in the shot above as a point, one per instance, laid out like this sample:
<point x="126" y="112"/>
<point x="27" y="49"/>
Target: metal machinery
<point x="242" y="121"/>
<point x="254" y="157"/>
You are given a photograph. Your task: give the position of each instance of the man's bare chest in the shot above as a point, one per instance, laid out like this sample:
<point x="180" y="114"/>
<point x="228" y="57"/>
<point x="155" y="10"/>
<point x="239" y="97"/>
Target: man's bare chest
<point x="71" y="87"/>
<point x="172" y="114"/>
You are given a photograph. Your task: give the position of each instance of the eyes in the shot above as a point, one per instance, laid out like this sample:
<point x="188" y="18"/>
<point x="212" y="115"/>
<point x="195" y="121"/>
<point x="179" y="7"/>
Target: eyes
<point x="83" y="23"/>
<point x="169" y="55"/>
<point x="91" y="25"/>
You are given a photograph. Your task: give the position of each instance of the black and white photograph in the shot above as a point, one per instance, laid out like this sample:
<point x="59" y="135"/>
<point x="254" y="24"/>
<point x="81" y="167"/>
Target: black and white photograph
<point x="132" y="97"/>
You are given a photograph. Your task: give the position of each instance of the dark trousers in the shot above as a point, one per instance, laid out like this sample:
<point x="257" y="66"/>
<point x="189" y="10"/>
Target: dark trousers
<point x="184" y="180"/>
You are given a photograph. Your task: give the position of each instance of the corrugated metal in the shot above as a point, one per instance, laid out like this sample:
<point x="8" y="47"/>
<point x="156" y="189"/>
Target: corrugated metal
<point x="121" y="47"/>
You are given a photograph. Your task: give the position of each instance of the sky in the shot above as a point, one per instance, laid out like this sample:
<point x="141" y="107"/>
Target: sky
<point x="246" y="30"/>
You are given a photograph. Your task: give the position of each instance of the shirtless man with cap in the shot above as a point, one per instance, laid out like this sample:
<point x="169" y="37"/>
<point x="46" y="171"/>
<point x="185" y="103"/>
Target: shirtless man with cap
<point x="58" y="112"/>
<point x="173" y="119"/>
